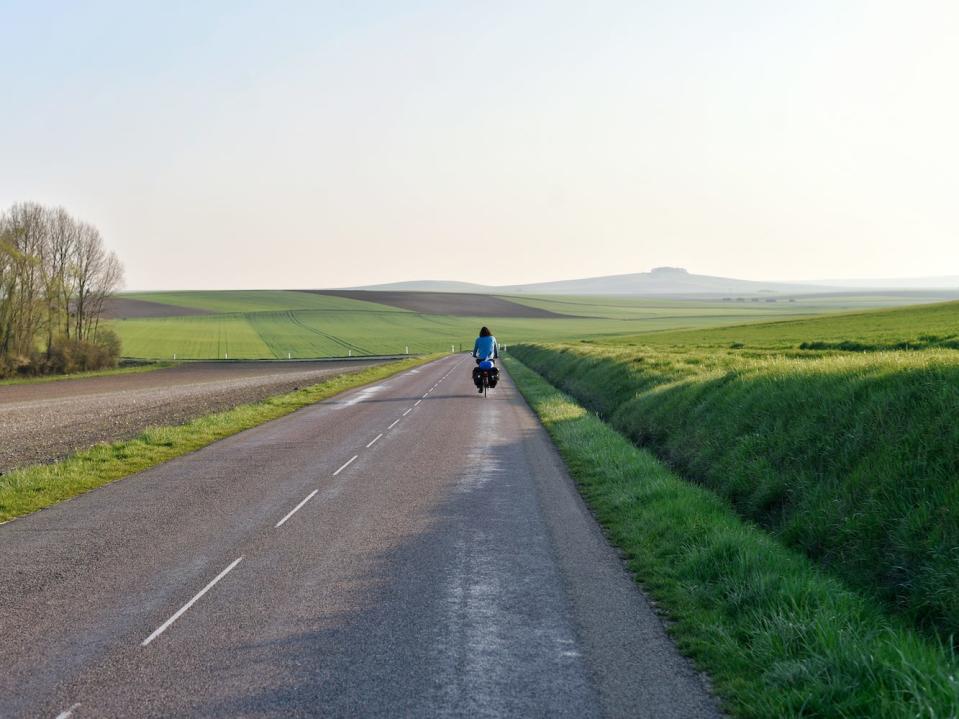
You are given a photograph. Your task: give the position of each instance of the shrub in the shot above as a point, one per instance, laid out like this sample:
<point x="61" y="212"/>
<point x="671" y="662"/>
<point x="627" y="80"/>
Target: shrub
<point x="66" y="356"/>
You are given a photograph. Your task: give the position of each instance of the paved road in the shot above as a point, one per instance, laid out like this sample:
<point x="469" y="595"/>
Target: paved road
<point x="47" y="421"/>
<point x="406" y="549"/>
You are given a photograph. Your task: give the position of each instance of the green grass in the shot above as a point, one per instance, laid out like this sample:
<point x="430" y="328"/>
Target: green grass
<point x="31" y="488"/>
<point x="200" y="337"/>
<point x="905" y="327"/>
<point x="82" y="375"/>
<point x="852" y="459"/>
<point x="778" y="637"/>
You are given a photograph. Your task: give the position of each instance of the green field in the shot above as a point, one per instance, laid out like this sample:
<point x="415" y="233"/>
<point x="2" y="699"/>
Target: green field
<point x="267" y="324"/>
<point x="623" y="307"/>
<point x="913" y="327"/>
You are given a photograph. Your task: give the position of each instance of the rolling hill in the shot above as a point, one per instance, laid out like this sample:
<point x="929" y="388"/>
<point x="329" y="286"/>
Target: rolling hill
<point x="678" y="282"/>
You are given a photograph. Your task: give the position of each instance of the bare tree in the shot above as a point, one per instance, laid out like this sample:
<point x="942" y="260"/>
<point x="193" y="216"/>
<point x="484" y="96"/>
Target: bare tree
<point x="64" y="235"/>
<point x="27" y="232"/>
<point x="55" y="277"/>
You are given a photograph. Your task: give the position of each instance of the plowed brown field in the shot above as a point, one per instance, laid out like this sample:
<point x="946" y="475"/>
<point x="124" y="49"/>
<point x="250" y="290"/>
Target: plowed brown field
<point x="124" y="307"/>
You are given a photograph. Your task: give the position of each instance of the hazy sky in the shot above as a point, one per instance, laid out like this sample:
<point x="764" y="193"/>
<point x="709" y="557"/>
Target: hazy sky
<point x="285" y="144"/>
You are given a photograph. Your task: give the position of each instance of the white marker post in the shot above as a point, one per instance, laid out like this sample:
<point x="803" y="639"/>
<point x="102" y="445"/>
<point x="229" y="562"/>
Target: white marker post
<point x="407" y="349"/>
<point x="351" y="353"/>
<point x="289" y="355"/>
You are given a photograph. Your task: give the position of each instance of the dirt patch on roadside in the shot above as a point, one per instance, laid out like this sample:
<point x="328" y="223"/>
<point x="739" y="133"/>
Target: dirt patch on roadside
<point x="44" y="422"/>
<point x="444" y="303"/>
<point x="117" y="308"/>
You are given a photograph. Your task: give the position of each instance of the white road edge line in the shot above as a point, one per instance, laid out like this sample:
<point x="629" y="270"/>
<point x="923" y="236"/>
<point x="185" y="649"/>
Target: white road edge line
<point x="296" y="509"/>
<point x="407" y="411"/>
<point x="348" y="463"/>
<point x="374" y="440"/>
<point x="163" y="627"/>
<point x="67" y="713"/>
<point x="395" y="422"/>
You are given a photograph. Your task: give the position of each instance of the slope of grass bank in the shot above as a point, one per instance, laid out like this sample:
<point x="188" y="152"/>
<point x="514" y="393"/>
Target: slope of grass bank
<point x="853" y="460"/>
<point x="777" y="636"/>
<point x="31" y="488"/>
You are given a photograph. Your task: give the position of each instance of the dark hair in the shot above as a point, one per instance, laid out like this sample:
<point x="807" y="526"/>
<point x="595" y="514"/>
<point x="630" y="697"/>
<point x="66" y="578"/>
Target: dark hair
<point x="485" y="332"/>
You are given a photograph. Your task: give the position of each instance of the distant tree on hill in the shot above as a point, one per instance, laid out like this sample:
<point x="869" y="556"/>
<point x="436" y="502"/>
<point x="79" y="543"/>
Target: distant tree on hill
<point x="55" y="276"/>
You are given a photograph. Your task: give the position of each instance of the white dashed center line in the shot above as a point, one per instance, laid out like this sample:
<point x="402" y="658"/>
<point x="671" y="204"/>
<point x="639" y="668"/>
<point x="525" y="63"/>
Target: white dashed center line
<point x="163" y="627"/>
<point x="67" y="713"/>
<point x="374" y="440"/>
<point x="296" y="508"/>
<point x="395" y="422"/>
<point x="348" y="463"/>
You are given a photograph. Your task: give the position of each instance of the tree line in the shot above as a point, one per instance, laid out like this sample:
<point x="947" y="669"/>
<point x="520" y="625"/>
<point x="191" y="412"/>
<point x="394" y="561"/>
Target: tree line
<point x="55" y="277"/>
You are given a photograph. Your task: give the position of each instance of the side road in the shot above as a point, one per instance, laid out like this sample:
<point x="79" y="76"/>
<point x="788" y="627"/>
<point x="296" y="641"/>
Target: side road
<point x="407" y="548"/>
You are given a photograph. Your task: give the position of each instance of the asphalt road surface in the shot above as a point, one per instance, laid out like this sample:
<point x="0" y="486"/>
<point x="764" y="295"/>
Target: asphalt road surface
<point x="404" y="549"/>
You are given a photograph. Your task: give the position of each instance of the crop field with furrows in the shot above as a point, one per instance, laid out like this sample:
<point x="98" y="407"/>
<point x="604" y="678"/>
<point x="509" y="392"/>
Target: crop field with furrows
<point x="290" y="324"/>
<point x="201" y="337"/>
<point x="300" y="334"/>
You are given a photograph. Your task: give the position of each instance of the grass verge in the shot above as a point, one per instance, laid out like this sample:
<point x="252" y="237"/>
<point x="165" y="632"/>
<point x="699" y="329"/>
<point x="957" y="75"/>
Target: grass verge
<point x="851" y="459"/>
<point x="82" y="375"/>
<point x="31" y="488"/>
<point x="778" y="636"/>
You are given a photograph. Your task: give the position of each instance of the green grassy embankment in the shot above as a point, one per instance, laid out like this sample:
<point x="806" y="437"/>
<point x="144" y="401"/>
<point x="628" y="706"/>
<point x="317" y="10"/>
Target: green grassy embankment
<point x="778" y="637"/>
<point x="851" y="459"/>
<point x="31" y="488"/>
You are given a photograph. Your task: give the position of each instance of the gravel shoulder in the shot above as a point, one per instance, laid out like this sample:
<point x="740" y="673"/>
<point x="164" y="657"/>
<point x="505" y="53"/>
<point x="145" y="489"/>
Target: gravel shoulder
<point x="42" y="423"/>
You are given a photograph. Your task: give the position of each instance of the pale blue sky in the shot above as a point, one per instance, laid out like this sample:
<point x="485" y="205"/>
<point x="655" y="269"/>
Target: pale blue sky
<point x="288" y="144"/>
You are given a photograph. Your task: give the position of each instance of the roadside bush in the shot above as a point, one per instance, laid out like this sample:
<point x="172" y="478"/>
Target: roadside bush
<point x="66" y="356"/>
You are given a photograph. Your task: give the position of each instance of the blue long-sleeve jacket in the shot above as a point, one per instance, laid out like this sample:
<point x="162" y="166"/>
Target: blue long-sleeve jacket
<point x="485" y="347"/>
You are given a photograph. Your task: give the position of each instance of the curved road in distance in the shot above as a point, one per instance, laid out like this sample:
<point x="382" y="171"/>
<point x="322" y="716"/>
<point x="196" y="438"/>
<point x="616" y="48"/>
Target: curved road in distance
<point x="404" y="549"/>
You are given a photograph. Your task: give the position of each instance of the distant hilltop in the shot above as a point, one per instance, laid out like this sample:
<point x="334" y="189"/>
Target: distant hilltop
<point x="669" y="271"/>
<point x="675" y="282"/>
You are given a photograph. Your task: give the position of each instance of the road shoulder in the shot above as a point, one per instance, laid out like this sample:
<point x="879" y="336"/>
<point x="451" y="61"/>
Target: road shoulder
<point x="637" y="668"/>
